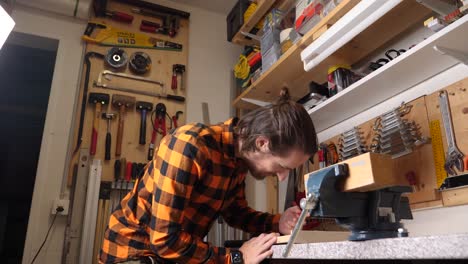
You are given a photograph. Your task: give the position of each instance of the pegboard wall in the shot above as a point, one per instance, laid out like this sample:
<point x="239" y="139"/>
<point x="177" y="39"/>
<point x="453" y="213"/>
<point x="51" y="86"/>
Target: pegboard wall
<point x="161" y="70"/>
<point x="425" y="110"/>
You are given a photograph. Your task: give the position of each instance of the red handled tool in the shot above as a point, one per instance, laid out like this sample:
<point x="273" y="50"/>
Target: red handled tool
<point x="159" y="126"/>
<point x="176" y="117"/>
<point x="177" y="69"/>
<point x="100" y="10"/>
<point x="98" y="99"/>
<point x="151" y="27"/>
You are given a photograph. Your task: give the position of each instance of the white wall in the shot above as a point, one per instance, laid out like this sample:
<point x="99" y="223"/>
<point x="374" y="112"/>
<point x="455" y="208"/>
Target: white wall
<point x="52" y="159"/>
<point x="209" y="79"/>
<point x="437" y="221"/>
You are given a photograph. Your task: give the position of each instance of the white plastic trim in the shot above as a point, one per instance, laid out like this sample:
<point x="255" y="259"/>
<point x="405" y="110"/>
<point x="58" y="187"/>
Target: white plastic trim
<point x="350" y="25"/>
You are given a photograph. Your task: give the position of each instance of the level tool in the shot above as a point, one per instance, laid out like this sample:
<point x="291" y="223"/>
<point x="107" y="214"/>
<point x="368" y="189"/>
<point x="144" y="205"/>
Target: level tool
<point x="438" y="151"/>
<point x="106" y="35"/>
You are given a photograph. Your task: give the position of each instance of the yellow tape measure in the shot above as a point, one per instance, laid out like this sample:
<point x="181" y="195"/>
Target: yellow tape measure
<point x="438" y="152"/>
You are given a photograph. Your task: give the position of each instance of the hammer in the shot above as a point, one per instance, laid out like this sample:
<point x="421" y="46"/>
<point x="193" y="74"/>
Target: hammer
<point x="144" y="108"/>
<point x="121" y="102"/>
<point x="108" y="117"/>
<point x="98" y="99"/>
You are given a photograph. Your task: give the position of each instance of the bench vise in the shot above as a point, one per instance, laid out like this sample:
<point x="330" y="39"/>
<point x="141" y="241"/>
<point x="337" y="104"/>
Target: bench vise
<point x="368" y="215"/>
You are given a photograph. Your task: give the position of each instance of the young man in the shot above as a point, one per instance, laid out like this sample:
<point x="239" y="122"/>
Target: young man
<point x="197" y="175"/>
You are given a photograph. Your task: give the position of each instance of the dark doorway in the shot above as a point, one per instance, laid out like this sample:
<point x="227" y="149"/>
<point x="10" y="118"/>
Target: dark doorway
<point x="26" y="69"/>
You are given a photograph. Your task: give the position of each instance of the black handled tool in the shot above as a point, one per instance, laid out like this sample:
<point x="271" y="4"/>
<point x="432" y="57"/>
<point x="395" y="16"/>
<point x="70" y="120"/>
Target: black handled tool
<point x="108" y="117"/>
<point x="144" y="108"/>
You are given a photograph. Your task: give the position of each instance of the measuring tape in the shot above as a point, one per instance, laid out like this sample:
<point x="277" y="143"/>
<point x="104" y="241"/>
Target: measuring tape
<point x="438" y="152"/>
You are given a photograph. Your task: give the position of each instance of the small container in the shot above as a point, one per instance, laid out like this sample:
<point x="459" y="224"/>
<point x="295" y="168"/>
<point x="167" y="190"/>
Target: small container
<point x="339" y="77"/>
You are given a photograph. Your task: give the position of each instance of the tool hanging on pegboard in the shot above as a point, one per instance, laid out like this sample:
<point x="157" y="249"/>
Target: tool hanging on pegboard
<point x="122" y="103"/>
<point x="143" y="108"/>
<point x="140" y="63"/>
<point x="159" y="126"/>
<point x="169" y="23"/>
<point x="116" y="58"/>
<point x="395" y="135"/>
<point x="100" y="10"/>
<point x="109" y="117"/>
<point x="177" y="69"/>
<point x="454" y="157"/>
<point x="175" y="118"/>
<point x="105" y="35"/>
<point x="351" y="144"/>
<point x="98" y="100"/>
<point x="438" y="151"/>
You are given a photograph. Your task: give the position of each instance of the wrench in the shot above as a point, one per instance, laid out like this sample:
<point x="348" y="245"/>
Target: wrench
<point x="454" y="156"/>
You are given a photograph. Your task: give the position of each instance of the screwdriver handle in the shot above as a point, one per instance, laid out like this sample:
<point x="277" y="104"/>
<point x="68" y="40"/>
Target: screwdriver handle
<point x="174" y="81"/>
<point x="128" y="171"/>
<point x="149" y="29"/>
<point x="108" y="146"/>
<point x="117" y="169"/>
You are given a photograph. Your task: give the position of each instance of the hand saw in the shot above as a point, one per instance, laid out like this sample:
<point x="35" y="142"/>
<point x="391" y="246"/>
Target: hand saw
<point x="105" y="35"/>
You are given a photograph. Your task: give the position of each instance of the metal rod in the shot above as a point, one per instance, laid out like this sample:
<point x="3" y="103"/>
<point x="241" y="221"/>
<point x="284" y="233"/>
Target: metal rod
<point x="307" y="204"/>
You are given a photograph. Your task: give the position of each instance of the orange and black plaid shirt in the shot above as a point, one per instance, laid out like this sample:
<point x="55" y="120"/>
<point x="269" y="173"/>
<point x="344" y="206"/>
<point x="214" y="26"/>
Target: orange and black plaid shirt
<point x="194" y="178"/>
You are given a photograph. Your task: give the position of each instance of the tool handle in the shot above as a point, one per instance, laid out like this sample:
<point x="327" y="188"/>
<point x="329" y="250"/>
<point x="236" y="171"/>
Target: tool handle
<point x="174" y="81"/>
<point x="122" y="17"/>
<point x="108" y="146"/>
<point x="128" y="171"/>
<point x="94" y="133"/>
<point x="143" y="127"/>
<point x="118" y="147"/>
<point x="150" y="23"/>
<point x="117" y="169"/>
<point x="149" y="29"/>
<point x="153" y="141"/>
<point x="175" y="98"/>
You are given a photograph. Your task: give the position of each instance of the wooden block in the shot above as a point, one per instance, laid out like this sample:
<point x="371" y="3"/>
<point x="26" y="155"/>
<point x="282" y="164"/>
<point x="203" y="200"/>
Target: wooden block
<point x="311" y="236"/>
<point x="424" y="196"/>
<point x="425" y="205"/>
<point x="455" y="196"/>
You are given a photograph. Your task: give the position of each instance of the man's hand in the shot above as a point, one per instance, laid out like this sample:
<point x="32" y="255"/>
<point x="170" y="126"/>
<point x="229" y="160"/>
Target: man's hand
<point x="289" y="219"/>
<point x="258" y="248"/>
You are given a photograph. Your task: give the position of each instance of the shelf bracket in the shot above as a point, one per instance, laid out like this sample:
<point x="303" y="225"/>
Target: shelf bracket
<point x="457" y="55"/>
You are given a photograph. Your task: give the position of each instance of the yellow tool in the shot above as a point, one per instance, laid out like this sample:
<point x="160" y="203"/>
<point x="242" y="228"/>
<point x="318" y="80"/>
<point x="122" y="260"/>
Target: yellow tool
<point x="105" y="35"/>
<point x="438" y="151"/>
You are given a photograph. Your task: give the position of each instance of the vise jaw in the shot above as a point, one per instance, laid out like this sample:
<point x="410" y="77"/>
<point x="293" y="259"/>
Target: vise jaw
<point x="368" y="215"/>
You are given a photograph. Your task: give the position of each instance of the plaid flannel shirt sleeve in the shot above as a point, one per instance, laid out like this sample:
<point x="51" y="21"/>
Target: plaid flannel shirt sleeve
<point x="177" y="167"/>
<point x="241" y="216"/>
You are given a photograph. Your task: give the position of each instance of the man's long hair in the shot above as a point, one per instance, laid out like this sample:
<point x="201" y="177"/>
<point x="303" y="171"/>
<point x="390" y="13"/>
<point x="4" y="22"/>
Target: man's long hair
<point x="285" y="123"/>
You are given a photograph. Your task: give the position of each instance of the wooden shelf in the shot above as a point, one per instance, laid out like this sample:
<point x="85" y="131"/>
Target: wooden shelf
<point x="422" y="61"/>
<point x="289" y="72"/>
<point x="262" y="8"/>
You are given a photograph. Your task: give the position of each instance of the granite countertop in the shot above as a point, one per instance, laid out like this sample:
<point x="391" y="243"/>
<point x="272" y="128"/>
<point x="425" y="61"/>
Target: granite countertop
<point x="425" y="247"/>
